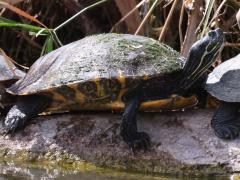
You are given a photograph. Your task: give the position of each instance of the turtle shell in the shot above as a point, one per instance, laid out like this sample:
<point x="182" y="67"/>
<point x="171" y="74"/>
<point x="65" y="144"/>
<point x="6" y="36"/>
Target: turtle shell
<point x="98" y="69"/>
<point x="8" y="75"/>
<point x="8" y="70"/>
<point x="223" y="82"/>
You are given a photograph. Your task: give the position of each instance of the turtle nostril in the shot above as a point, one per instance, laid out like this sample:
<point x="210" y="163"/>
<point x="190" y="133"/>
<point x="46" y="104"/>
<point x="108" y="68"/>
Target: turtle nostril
<point x="219" y="31"/>
<point x="212" y="33"/>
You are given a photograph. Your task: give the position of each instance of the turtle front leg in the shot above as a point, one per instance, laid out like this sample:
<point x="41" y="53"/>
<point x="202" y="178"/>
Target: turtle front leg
<point x="20" y="114"/>
<point x="224" y="121"/>
<point x="129" y="130"/>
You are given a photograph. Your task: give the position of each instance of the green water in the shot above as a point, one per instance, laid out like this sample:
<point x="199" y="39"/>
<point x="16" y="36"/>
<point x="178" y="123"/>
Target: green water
<point x="10" y="171"/>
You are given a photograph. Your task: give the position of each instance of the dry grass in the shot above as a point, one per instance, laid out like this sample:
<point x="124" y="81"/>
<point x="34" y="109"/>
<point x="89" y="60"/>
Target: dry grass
<point x="178" y="23"/>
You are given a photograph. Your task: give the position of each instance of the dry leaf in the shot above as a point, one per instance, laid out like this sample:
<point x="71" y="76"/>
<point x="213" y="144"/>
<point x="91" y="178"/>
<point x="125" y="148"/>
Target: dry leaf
<point x="21" y="12"/>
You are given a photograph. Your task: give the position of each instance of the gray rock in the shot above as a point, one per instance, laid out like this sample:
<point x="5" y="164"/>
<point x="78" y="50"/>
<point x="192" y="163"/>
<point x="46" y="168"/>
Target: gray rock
<point x="183" y="142"/>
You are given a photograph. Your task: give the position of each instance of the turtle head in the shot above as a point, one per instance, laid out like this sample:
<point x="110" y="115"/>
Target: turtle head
<point x="201" y="56"/>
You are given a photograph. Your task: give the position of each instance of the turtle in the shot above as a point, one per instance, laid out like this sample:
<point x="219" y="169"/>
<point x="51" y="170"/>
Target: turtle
<point x="9" y="74"/>
<point x="102" y="71"/>
<point x="223" y="83"/>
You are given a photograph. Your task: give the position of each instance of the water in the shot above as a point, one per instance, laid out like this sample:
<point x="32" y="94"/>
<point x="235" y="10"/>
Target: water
<point x="11" y="171"/>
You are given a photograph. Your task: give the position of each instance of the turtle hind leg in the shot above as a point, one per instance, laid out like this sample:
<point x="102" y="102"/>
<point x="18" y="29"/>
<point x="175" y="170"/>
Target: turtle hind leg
<point x="20" y="114"/>
<point x="129" y="132"/>
<point x="225" y="122"/>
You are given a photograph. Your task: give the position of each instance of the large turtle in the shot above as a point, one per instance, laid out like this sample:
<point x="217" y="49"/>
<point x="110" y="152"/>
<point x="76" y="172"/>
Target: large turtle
<point x="223" y="83"/>
<point x="103" y="71"/>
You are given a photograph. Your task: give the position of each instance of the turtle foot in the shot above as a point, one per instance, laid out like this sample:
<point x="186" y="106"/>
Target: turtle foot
<point x="137" y="140"/>
<point x="14" y="120"/>
<point x="225" y="121"/>
<point x="228" y="130"/>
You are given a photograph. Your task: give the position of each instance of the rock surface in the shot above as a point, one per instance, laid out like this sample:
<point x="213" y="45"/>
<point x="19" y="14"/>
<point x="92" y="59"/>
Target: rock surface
<point x="182" y="142"/>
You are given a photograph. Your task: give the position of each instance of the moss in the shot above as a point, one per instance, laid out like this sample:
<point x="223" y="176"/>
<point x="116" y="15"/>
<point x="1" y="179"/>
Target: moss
<point x="66" y="162"/>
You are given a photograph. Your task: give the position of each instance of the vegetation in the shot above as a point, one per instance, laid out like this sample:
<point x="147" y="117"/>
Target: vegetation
<point x="31" y="28"/>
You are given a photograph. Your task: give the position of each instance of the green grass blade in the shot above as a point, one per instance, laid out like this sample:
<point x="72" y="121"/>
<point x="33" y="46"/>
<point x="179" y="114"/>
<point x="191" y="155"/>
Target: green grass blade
<point x="13" y="24"/>
<point x="48" y="45"/>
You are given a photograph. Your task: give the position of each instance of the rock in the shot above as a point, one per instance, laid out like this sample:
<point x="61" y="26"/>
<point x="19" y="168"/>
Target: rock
<point x="183" y="142"/>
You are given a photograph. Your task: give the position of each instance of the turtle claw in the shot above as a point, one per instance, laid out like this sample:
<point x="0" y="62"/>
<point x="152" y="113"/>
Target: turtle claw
<point x="138" y="140"/>
<point x="9" y="128"/>
<point x="225" y="121"/>
<point x="227" y="130"/>
<point x="14" y="121"/>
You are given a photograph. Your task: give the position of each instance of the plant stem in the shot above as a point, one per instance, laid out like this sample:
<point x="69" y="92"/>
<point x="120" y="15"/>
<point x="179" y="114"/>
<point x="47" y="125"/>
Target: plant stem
<point x="206" y="17"/>
<point x="168" y="21"/>
<point x="80" y="12"/>
<point x="146" y="17"/>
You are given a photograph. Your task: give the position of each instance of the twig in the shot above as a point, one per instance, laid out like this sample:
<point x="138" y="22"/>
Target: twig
<point x="231" y="33"/>
<point x="146" y="17"/>
<point x="21" y="13"/>
<point x="168" y="20"/>
<point x="227" y="44"/>
<point x="234" y="3"/>
<point x="180" y="23"/>
<point x="53" y="32"/>
<point x="128" y="14"/>
<point x="2" y="11"/>
<point x="144" y="10"/>
<point x="193" y="20"/>
<point x="238" y="18"/>
<point x="229" y="23"/>
<point x="168" y="3"/>
<point x="80" y="12"/>
<point x="126" y="17"/>
<point x="14" y="1"/>
<point x="206" y="18"/>
<point x="10" y="59"/>
<point x="216" y="14"/>
<point x="30" y="41"/>
<point x="56" y="39"/>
